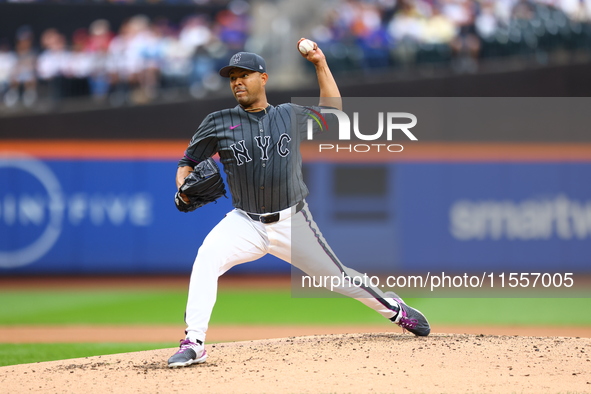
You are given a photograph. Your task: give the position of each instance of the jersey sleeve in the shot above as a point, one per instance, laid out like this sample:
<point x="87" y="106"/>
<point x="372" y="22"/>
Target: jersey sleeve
<point x="203" y="144"/>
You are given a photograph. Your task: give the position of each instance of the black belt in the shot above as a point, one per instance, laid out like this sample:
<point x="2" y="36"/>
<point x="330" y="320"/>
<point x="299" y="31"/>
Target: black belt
<point x="267" y="218"/>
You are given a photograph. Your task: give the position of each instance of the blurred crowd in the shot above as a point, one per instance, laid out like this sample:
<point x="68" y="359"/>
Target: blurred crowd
<point x="148" y="59"/>
<point x="397" y="33"/>
<point x="184" y="2"/>
<point x="143" y="60"/>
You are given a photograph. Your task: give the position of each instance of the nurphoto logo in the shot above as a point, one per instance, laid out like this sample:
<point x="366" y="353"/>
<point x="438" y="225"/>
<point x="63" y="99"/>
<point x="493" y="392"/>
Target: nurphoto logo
<point x="390" y="126"/>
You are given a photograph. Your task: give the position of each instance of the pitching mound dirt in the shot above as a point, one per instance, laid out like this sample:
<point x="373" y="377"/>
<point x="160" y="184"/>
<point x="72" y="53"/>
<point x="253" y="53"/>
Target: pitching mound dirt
<point x="344" y="363"/>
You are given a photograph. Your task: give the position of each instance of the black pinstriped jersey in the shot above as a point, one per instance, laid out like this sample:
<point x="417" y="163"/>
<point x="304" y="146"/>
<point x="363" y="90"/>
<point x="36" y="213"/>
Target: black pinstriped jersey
<point x="260" y="154"/>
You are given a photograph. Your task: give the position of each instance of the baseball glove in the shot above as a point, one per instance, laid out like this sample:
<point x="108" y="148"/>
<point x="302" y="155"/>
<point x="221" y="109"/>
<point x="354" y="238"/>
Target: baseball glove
<point x="202" y="186"/>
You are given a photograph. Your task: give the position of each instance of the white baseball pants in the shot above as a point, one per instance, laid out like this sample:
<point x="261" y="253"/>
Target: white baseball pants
<point x="238" y="239"/>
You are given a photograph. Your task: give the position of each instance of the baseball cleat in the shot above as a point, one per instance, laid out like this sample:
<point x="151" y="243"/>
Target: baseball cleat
<point x="189" y="353"/>
<point x="409" y="318"/>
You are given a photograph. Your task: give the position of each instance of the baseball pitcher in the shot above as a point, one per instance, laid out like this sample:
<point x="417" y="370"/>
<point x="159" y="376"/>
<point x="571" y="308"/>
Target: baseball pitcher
<point x="258" y="145"/>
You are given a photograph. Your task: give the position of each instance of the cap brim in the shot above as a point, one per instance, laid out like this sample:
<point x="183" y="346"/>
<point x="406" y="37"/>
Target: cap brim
<point x="225" y="71"/>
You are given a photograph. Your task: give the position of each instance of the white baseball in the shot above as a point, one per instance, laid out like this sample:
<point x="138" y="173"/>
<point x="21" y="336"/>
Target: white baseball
<point x="305" y="46"/>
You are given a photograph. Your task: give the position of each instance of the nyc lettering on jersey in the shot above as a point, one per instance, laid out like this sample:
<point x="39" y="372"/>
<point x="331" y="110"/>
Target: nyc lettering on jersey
<point x="264" y="143"/>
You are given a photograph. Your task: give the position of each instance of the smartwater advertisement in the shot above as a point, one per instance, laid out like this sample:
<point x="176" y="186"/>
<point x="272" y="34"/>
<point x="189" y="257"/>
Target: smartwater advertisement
<point x="495" y="216"/>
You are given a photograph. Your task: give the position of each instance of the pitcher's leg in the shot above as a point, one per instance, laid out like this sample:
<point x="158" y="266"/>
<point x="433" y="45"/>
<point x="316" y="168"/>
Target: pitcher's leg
<point x="304" y="247"/>
<point x="235" y="240"/>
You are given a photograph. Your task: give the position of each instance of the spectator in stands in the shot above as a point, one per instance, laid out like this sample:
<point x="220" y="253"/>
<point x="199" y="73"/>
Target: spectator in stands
<point x="152" y="50"/>
<point x="8" y="61"/>
<point x="487" y="22"/>
<point x="208" y="51"/>
<point x="97" y="46"/>
<point x="52" y="63"/>
<point x="195" y="32"/>
<point x="23" y="81"/>
<point x="466" y="43"/>
<point x="232" y="29"/>
<point x="406" y="29"/>
<point x="176" y="64"/>
<point x="79" y="66"/>
<point x="124" y="63"/>
<point x="138" y="39"/>
<point x="372" y="38"/>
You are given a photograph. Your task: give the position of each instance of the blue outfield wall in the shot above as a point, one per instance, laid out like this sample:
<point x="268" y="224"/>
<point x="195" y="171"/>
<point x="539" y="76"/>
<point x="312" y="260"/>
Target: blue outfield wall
<point x="118" y="217"/>
<point x="526" y="217"/>
<point x="111" y="217"/>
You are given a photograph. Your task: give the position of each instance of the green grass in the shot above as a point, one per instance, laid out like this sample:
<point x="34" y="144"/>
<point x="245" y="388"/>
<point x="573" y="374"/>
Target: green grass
<point x="91" y="307"/>
<point x="272" y="307"/>
<point x="12" y="354"/>
<point x="112" y="307"/>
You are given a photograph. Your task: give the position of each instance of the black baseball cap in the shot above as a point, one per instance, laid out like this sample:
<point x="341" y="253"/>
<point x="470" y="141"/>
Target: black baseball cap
<point x="246" y="60"/>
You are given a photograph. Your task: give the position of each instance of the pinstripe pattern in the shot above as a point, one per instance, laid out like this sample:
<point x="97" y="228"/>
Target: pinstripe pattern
<point x="261" y="156"/>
